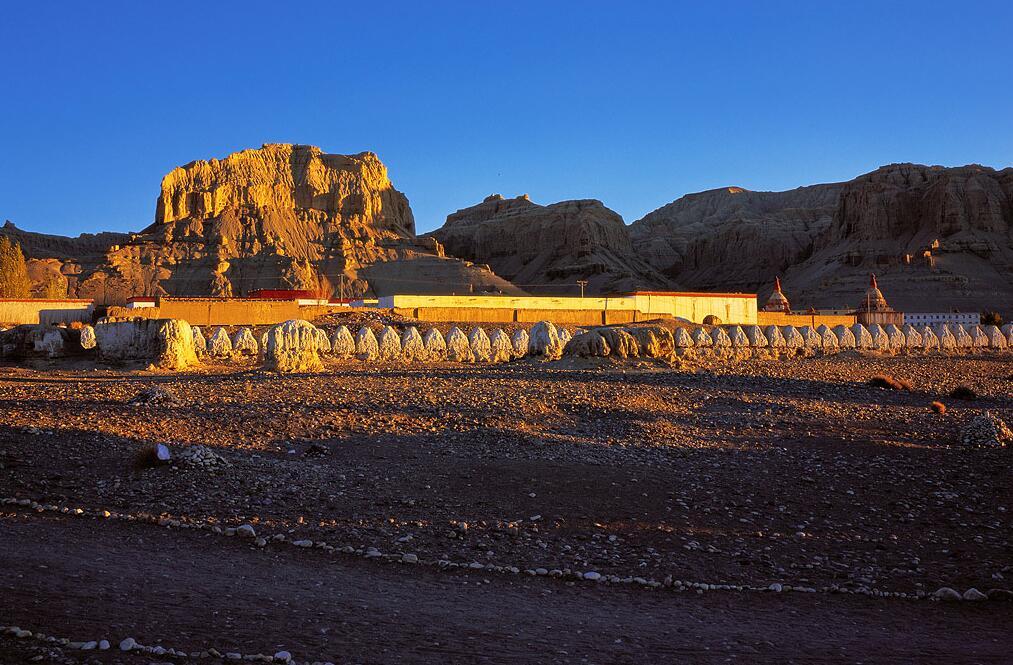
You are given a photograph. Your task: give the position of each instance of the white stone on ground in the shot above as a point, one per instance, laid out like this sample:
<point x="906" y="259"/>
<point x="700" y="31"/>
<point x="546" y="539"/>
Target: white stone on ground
<point x="898" y="340"/>
<point x="947" y="341"/>
<point x="413" y="349"/>
<point x="757" y="339"/>
<point x="87" y="337"/>
<point x="723" y="341"/>
<point x="701" y="338"/>
<point x="863" y="338"/>
<point x="682" y="339"/>
<point x="792" y="337"/>
<point x="323" y="343"/>
<point x="436" y="346"/>
<point x="810" y="338"/>
<point x="964" y="339"/>
<point x="342" y="343"/>
<point x="543" y="340"/>
<point x="996" y="340"/>
<point x="979" y="337"/>
<point x="220" y="346"/>
<point x="930" y="340"/>
<point x="366" y="346"/>
<point x="912" y="338"/>
<point x="519" y="341"/>
<point x="53" y="343"/>
<point x="481" y="346"/>
<point x="880" y="340"/>
<point x="458" y="347"/>
<point x="292" y="346"/>
<point x="200" y="345"/>
<point x="244" y="343"/>
<point x="775" y="339"/>
<point x="502" y="349"/>
<point x="389" y="344"/>
<point x="845" y="338"/>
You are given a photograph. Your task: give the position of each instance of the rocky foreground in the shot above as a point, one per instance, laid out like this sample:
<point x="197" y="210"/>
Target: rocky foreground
<point x="579" y="511"/>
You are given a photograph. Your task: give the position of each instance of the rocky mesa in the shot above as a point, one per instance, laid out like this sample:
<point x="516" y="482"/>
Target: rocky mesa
<point x="278" y="217"/>
<point x="547" y="248"/>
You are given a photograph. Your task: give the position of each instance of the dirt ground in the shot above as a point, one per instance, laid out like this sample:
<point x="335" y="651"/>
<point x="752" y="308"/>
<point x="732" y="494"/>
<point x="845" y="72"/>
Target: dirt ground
<point x="791" y="472"/>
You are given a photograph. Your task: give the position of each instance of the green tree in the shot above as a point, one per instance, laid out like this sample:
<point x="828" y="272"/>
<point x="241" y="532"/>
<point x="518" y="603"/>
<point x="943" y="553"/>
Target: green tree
<point x="14" y="281"/>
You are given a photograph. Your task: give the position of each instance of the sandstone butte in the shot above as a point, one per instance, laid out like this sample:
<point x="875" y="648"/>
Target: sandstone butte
<point x="278" y="217"/>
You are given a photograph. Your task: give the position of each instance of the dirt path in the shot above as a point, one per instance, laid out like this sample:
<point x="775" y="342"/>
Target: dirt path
<point x="84" y="579"/>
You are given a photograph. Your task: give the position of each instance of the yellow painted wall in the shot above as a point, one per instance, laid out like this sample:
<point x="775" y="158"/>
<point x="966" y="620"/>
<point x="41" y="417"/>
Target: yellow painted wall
<point x="798" y="320"/>
<point x="45" y="311"/>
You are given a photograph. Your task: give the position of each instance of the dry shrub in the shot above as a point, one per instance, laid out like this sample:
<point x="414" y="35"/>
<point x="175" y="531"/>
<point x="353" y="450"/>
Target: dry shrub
<point x="890" y="382"/>
<point x="963" y="392"/>
<point x="938" y="407"/>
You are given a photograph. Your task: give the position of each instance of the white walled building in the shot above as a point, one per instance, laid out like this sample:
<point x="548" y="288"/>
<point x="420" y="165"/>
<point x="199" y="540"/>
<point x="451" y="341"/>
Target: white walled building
<point x="933" y="318"/>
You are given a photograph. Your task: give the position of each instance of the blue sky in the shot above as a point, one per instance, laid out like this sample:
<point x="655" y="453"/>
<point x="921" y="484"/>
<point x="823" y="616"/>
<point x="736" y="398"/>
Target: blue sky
<point x="632" y="103"/>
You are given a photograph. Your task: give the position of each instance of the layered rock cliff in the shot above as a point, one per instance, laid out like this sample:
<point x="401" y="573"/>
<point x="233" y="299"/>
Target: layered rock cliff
<point x="279" y="217"/>
<point x="548" y="248"/>
<point x="938" y="238"/>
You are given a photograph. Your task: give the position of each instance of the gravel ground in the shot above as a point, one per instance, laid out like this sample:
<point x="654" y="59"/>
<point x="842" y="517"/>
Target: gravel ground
<point x="791" y="472"/>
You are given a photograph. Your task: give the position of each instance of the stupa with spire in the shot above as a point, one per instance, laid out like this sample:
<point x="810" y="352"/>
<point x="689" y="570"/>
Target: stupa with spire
<point x="777" y="302"/>
<point x="875" y="309"/>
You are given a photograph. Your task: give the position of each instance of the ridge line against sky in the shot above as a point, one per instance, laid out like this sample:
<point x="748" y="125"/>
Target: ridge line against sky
<point x="635" y="106"/>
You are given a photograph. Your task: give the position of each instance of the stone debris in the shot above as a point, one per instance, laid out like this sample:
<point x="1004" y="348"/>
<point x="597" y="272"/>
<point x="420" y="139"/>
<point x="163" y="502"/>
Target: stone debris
<point x="244" y="343"/>
<point x="292" y="347"/>
<point x="912" y="337"/>
<point x="828" y="338"/>
<point x="342" y="343"/>
<point x="413" y="349"/>
<point x="880" y="339"/>
<point x="520" y="341"/>
<point x="220" y="346"/>
<point x="366" y="346"/>
<point x="436" y="345"/>
<point x="458" y="347"/>
<point x="702" y="338"/>
<point x="543" y="341"/>
<point x="947" y="340"/>
<point x="389" y="344"/>
<point x="896" y="336"/>
<point x="201" y="457"/>
<point x="502" y="349"/>
<point x="996" y="340"/>
<point x="793" y="339"/>
<point x="986" y="431"/>
<point x="481" y="345"/>
<point x="775" y="338"/>
<point x="682" y="339"/>
<point x="156" y="395"/>
<point x="88" y="337"/>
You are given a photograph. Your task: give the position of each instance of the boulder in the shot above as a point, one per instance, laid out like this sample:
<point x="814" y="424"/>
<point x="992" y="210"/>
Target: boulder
<point x="389" y="344"/>
<point x="947" y="341"/>
<point x="220" y="346"/>
<point x="1007" y="329"/>
<point x="996" y="340"/>
<point x="458" y="347"/>
<point x="413" y="349"/>
<point x="481" y="346"/>
<point x="736" y="336"/>
<point x="436" y="346"/>
<point x="564" y="336"/>
<point x="520" y="342"/>
<point x="54" y="342"/>
<point x="754" y="334"/>
<point x="88" y="337"/>
<point x="930" y="340"/>
<point x="898" y="340"/>
<point x="863" y="338"/>
<point x="654" y="341"/>
<point x="587" y="345"/>
<point x="621" y="344"/>
<point x="912" y="338"/>
<point x="775" y="339"/>
<point x="366" y="346"/>
<point x="200" y="345"/>
<point x="880" y="340"/>
<point x="168" y="343"/>
<point x="323" y="343"/>
<point x="293" y="346"/>
<point x="979" y="337"/>
<point x="502" y="348"/>
<point x="722" y="340"/>
<point x="342" y="343"/>
<point x="964" y="339"/>
<point x="543" y="340"/>
<point x="811" y="340"/>
<point x="244" y="343"/>
<point x="793" y="339"/>
<point x="829" y="338"/>
<point x="845" y="337"/>
<point x="682" y="339"/>
<point x="702" y="338"/>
